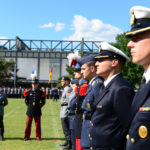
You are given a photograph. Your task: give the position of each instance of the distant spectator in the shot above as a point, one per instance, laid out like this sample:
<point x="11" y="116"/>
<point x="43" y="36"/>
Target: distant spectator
<point x="3" y="102"/>
<point x="55" y="94"/>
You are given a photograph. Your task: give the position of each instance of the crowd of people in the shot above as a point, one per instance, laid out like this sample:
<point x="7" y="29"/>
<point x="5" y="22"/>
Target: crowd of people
<point x="100" y="110"/>
<point x="17" y="92"/>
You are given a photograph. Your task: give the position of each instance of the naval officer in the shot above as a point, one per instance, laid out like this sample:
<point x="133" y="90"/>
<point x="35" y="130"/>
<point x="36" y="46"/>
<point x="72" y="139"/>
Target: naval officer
<point x="110" y="118"/>
<point x="138" y="137"/>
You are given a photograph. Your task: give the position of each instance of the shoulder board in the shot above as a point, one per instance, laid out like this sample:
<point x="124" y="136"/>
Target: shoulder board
<point x="93" y="83"/>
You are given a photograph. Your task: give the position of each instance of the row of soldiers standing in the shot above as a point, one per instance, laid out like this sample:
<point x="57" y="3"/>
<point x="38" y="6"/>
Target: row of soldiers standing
<point x="97" y="117"/>
<point x="17" y="92"/>
<point x="105" y="113"/>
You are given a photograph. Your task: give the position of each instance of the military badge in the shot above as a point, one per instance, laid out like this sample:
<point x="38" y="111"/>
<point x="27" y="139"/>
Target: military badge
<point x="143" y="131"/>
<point x="99" y="106"/>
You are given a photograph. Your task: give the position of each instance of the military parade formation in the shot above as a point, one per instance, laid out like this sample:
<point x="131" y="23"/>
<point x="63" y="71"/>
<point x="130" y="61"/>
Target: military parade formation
<point x="99" y="109"/>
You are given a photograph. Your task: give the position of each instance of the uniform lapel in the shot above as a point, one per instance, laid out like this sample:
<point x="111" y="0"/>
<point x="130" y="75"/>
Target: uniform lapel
<point x="139" y="99"/>
<point x="106" y="89"/>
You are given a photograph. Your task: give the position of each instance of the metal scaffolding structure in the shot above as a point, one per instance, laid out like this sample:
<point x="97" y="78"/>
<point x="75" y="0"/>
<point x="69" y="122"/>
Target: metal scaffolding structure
<point x="48" y="45"/>
<point x="53" y="52"/>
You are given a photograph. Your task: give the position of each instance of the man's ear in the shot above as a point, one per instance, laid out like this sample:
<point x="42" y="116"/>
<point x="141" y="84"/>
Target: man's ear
<point x="115" y="62"/>
<point x="92" y="68"/>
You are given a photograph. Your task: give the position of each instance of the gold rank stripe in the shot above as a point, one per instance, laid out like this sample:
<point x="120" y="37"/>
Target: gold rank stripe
<point x="130" y="33"/>
<point x="144" y="109"/>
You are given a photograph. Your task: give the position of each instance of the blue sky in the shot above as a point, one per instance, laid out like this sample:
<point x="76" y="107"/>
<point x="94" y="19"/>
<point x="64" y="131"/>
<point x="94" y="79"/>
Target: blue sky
<point x="65" y="19"/>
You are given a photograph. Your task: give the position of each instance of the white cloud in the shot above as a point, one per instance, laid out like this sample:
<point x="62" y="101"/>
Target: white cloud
<point x="94" y="30"/>
<point x="59" y="26"/>
<point x="3" y="40"/>
<point x="49" y="25"/>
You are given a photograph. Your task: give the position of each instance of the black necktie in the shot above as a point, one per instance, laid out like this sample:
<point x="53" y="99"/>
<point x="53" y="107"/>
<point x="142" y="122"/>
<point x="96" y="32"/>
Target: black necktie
<point x="102" y="88"/>
<point x="142" y="84"/>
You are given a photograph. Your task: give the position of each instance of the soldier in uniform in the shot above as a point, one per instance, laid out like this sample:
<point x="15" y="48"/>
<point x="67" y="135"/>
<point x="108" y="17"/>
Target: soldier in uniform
<point x="72" y="106"/>
<point x="111" y="107"/>
<point x="34" y="99"/>
<point x="83" y="85"/>
<point x="88" y="69"/>
<point x="64" y="112"/>
<point x="3" y="102"/>
<point x="139" y="131"/>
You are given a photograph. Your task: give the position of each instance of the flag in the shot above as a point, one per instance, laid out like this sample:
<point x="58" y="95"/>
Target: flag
<point x="50" y="75"/>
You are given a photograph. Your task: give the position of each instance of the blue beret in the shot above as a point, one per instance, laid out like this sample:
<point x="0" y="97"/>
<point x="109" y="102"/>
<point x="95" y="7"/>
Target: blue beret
<point x="65" y="78"/>
<point x="77" y="67"/>
<point x="86" y="59"/>
<point x="74" y="81"/>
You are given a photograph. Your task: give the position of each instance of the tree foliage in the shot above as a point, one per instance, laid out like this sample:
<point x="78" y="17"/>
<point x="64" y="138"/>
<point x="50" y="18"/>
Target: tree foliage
<point x="131" y="72"/>
<point x="6" y="69"/>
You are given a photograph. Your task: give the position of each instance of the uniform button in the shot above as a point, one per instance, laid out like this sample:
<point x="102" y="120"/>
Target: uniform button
<point x="90" y="148"/>
<point x="132" y="140"/>
<point x="127" y="136"/>
<point x="91" y="123"/>
<point x="89" y="135"/>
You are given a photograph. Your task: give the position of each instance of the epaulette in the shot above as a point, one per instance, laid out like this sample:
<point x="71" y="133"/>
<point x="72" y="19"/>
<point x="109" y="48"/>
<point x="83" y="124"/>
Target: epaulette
<point x="93" y="83"/>
<point x="83" y="89"/>
<point x="26" y="93"/>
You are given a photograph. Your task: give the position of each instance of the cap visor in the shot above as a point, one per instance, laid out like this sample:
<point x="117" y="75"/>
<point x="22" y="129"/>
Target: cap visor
<point x="135" y="32"/>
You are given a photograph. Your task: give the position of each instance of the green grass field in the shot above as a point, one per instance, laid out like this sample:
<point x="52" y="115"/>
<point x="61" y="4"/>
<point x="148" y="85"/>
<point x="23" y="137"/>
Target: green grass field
<point x="15" y="122"/>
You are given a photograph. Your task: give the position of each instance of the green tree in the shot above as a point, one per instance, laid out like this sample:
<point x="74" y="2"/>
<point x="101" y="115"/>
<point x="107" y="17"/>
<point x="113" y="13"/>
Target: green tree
<point x="6" y="69"/>
<point x="131" y="72"/>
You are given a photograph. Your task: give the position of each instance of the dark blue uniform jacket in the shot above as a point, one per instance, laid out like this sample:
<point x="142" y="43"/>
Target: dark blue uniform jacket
<point x="139" y="132"/>
<point x="91" y="94"/>
<point x="111" y="115"/>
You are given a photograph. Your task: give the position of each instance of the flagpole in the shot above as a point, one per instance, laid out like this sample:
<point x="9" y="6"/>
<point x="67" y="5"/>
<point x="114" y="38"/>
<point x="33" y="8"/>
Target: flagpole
<point x="14" y="75"/>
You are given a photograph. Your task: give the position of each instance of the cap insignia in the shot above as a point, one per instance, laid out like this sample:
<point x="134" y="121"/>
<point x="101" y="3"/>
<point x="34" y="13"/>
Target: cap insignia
<point x="100" y="48"/>
<point x="132" y="18"/>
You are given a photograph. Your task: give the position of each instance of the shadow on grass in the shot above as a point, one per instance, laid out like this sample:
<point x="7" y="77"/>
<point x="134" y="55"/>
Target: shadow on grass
<point x="48" y="139"/>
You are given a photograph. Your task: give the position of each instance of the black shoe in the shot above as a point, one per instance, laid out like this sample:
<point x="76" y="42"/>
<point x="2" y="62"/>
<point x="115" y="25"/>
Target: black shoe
<point x="68" y="146"/>
<point x="2" y="139"/>
<point x="65" y="144"/>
